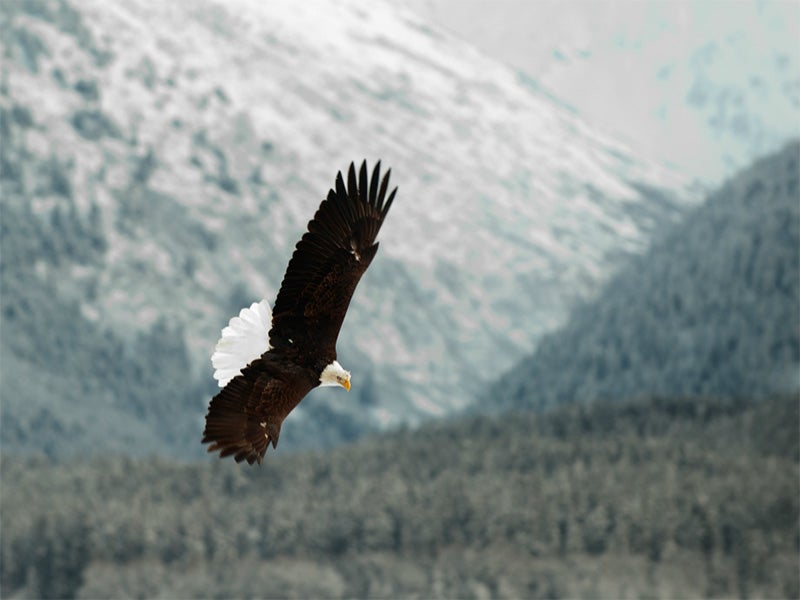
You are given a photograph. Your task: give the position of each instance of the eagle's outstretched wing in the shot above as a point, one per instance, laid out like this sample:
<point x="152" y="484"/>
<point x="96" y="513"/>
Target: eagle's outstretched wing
<point x="246" y="416"/>
<point x="328" y="262"/>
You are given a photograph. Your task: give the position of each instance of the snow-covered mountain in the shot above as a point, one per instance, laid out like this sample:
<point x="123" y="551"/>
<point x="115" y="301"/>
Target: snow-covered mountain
<point x="199" y="138"/>
<point x="707" y="85"/>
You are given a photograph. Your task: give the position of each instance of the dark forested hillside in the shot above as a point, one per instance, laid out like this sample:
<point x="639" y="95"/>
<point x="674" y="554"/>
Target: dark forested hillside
<point x="712" y="308"/>
<point x="659" y="498"/>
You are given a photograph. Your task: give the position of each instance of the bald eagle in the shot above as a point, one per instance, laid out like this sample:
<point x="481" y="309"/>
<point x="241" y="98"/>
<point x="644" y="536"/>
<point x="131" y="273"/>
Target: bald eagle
<point x="266" y="365"/>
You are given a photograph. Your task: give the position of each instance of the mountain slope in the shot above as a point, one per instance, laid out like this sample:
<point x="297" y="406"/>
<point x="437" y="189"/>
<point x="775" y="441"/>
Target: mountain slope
<point x="712" y="308"/>
<point x="198" y="139"/>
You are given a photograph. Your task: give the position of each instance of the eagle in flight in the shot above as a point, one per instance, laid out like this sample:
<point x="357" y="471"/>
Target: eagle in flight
<point x="266" y="365"/>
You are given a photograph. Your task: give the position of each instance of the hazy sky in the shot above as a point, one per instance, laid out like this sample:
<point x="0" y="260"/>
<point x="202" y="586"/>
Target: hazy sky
<point x="706" y="85"/>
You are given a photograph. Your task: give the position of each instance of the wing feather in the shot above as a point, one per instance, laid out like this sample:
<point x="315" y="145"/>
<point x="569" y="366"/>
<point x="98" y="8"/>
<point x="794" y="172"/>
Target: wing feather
<point x="389" y="200"/>
<point x="373" y="186"/>
<point x="246" y="416"/>
<point x="382" y="192"/>
<point x="363" y="182"/>
<point x="329" y="260"/>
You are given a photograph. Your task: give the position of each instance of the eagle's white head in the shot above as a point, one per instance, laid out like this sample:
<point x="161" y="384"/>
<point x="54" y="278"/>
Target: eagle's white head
<point x="334" y="374"/>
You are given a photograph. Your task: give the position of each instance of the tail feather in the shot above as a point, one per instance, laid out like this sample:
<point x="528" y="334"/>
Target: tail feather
<point x="243" y="340"/>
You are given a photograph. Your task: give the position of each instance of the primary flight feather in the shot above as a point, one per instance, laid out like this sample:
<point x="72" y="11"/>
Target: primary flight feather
<point x="267" y="364"/>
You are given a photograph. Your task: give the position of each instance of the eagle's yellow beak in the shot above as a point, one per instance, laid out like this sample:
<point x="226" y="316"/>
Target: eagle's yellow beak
<point x="346" y="384"/>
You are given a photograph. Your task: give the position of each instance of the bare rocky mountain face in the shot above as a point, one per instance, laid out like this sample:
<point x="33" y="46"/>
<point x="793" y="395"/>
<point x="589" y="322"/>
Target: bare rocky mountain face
<point x="160" y="161"/>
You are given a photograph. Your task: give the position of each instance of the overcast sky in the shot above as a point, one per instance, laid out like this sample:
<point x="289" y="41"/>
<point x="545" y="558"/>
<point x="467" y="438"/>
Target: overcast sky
<point x="706" y="85"/>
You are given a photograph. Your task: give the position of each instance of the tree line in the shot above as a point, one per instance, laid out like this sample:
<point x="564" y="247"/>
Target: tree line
<point x="660" y="497"/>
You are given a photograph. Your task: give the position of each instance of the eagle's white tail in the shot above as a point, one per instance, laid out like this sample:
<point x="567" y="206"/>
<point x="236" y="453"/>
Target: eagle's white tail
<point x="243" y="340"/>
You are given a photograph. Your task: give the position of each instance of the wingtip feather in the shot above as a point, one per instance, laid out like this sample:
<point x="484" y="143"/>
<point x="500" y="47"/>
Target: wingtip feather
<point x="383" y="188"/>
<point x="363" y="182"/>
<point x="341" y="190"/>
<point x="388" y="204"/>
<point x="373" y="185"/>
<point x="352" y="184"/>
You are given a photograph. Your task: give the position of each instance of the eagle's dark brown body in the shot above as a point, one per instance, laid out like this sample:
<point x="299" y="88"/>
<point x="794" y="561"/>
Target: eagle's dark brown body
<point x="322" y="275"/>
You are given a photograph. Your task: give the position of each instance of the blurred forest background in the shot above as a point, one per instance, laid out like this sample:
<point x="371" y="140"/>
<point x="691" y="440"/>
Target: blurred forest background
<point x="690" y="497"/>
<point x="578" y="369"/>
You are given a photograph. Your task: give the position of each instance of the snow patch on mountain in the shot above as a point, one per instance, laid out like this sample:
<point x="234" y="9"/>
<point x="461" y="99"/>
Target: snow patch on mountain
<point x="215" y="129"/>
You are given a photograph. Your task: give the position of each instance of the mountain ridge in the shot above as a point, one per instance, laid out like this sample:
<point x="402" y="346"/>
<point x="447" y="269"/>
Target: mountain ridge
<point x="201" y="162"/>
<point x="713" y="307"/>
